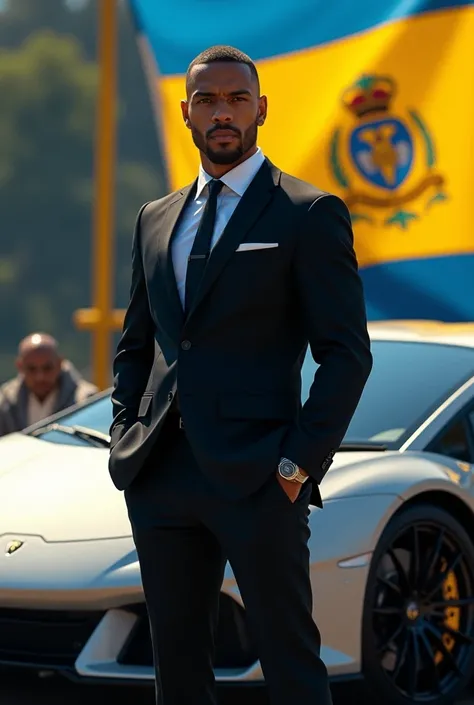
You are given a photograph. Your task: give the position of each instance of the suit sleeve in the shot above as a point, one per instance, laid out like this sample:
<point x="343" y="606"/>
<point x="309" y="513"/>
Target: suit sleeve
<point x="332" y="304"/>
<point x="135" y="351"/>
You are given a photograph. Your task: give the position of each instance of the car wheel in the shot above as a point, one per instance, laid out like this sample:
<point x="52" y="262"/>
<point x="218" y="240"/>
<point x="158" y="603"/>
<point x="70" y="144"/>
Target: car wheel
<point x="418" y="624"/>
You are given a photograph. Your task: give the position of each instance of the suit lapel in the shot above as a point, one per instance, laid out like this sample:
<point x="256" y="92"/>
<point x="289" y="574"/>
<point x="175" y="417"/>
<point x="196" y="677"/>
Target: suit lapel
<point x="252" y="204"/>
<point x="172" y="305"/>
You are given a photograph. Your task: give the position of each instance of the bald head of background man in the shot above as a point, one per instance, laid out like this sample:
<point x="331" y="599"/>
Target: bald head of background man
<point x="46" y="383"/>
<point x="40" y="363"/>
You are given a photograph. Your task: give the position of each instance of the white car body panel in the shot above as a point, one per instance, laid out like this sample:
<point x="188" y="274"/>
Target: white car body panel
<point x="78" y="552"/>
<point x="76" y="557"/>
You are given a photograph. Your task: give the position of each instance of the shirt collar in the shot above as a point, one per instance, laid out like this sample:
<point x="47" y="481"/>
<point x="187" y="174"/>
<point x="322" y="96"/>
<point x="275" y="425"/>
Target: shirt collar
<point x="237" y="179"/>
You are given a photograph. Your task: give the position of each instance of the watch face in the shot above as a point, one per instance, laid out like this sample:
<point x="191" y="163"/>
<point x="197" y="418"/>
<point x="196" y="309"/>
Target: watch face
<point x="287" y="469"/>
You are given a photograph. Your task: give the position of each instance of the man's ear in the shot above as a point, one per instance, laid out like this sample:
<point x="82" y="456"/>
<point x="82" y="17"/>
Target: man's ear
<point x="185" y="112"/>
<point x="262" y="110"/>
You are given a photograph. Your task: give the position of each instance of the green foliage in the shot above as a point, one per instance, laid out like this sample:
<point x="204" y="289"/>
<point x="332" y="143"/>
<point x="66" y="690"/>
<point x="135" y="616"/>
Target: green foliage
<point x="48" y="84"/>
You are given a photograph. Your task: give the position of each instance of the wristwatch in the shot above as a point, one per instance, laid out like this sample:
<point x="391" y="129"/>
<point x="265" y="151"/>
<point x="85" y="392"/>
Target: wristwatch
<point x="290" y="471"/>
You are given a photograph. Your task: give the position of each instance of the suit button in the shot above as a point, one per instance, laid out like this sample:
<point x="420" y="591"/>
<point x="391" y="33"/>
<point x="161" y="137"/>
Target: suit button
<point x="170" y="396"/>
<point x="185" y="345"/>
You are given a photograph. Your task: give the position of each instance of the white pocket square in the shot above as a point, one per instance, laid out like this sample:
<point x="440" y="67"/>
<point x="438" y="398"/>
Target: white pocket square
<point x="246" y="246"/>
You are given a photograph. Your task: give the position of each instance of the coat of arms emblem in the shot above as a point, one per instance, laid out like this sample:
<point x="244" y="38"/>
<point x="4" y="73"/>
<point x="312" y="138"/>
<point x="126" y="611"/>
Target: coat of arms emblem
<point x="385" y="162"/>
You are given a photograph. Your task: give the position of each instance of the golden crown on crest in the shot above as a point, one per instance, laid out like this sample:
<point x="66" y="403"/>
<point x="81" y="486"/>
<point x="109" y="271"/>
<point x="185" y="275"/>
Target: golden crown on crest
<point x="371" y="93"/>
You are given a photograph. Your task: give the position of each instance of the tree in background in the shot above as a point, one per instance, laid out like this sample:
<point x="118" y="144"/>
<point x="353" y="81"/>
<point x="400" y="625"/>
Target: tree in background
<point x="48" y="82"/>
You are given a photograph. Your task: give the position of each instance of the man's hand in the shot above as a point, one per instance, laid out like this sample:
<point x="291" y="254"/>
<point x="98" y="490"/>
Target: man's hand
<point x="290" y="487"/>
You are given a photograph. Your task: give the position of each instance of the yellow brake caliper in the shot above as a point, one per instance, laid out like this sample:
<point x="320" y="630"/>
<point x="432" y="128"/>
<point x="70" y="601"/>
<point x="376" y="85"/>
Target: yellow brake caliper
<point x="452" y="615"/>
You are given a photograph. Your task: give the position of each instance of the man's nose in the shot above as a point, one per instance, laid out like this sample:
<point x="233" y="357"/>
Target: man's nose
<point x="222" y="113"/>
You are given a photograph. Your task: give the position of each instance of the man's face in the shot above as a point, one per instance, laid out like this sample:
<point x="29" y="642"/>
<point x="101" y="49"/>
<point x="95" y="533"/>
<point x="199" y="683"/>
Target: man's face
<point x="41" y="370"/>
<point x="223" y="110"/>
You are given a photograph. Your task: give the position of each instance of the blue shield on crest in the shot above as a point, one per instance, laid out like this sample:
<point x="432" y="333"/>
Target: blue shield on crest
<point x="382" y="151"/>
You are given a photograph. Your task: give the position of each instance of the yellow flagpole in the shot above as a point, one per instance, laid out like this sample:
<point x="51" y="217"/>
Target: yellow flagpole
<point x="101" y="320"/>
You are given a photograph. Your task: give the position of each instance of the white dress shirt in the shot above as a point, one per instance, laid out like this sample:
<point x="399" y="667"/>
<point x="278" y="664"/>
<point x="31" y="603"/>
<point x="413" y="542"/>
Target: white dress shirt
<point x="236" y="182"/>
<point x="39" y="410"/>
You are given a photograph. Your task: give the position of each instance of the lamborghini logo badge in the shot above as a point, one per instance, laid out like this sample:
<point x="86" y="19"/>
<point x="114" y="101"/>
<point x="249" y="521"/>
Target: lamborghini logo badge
<point x="13" y="546"/>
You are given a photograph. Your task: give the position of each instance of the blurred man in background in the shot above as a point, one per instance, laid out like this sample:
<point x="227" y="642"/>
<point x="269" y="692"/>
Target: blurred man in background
<point x="46" y="383"/>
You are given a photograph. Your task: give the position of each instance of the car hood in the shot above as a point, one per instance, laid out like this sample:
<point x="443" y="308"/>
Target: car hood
<point x="352" y="473"/>
<point x="64" y="492"/>
<point x="58" y="492"/>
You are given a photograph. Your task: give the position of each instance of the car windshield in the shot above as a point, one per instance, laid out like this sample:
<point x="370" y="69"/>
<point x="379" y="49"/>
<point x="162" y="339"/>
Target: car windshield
<point x="95" y="415"/>
<point x="407" y="382"/>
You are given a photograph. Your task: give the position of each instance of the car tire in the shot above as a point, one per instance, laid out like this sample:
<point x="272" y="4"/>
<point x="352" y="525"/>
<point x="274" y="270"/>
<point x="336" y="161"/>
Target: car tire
<point x="415" y="646"/>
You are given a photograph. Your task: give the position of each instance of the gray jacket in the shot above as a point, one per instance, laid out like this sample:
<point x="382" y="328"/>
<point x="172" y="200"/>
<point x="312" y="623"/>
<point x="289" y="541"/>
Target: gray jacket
<point x="72" y="388"/>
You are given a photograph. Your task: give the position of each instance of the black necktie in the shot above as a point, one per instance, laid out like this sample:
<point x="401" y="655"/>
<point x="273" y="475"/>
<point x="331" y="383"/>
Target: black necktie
<point x="202" y="245"/>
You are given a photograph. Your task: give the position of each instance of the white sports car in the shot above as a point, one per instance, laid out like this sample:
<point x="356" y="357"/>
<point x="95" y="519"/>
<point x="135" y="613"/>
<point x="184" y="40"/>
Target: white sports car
<point x="392" y="552"/>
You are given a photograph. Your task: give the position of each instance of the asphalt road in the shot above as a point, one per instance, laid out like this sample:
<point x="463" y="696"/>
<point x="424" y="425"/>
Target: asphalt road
<point x="25" y="690"/>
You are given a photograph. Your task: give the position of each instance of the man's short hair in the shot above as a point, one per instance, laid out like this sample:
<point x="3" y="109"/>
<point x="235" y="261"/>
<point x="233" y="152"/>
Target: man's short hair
<point x="222" y="53"/>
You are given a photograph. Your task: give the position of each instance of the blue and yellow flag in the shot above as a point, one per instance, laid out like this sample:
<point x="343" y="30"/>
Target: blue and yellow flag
<point x="371" y="100"/>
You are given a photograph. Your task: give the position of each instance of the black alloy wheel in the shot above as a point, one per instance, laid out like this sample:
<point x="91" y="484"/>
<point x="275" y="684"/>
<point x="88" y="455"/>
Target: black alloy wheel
<point x="418" y="627"/>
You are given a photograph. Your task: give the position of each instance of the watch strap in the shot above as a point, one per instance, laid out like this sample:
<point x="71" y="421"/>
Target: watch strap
<point x="299" y="477"/>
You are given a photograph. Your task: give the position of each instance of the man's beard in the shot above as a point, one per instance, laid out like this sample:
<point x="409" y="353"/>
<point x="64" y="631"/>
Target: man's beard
<point x="225" y="154"/>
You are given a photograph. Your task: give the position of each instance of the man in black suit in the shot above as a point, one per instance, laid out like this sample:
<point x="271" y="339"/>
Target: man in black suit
<point x="232" y="278"/>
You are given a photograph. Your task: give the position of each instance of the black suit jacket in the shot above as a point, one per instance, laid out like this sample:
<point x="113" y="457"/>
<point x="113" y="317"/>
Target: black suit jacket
<point x="235" y="360"/>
